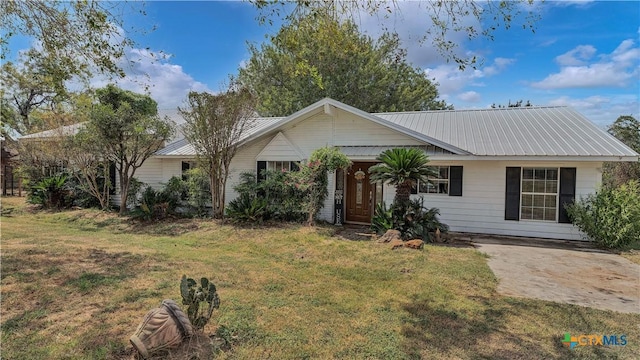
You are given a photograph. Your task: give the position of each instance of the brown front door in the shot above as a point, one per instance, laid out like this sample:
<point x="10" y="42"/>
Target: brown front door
<point x="359" y="193"/>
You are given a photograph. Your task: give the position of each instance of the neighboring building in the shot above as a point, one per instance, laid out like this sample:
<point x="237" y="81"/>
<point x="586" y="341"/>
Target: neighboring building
<point x="502" y="171"/>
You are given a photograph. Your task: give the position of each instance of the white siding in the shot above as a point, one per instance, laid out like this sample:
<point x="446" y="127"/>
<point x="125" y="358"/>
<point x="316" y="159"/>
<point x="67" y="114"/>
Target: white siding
<point x="171" y="168"/>
<point x="151" y="173"/>
<point x="244" y="161"/>
<point x="280" y="149"/>
<point x="481" y="207"/>
<point x="352" y="130"/>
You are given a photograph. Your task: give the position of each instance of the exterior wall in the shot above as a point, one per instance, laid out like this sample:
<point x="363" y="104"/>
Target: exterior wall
<point x="279" y="149"/>
<point x="245" y="160"/>
<point x="481" y="207"/>
<point x="151" y="173"/>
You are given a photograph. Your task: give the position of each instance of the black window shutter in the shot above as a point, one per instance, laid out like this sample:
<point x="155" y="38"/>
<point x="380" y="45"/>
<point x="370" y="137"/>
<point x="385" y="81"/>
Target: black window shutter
<point x="185" y="167"/>
<point x="567" y="192"/>
<point x="512" y="197"/>
<point x="455" y="181"/>
<point x="260" y="173"/>
<point x="295" y="166"/>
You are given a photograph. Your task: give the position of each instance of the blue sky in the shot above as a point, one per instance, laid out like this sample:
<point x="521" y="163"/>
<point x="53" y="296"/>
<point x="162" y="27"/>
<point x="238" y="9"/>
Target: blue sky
<point x="583" y="54"/>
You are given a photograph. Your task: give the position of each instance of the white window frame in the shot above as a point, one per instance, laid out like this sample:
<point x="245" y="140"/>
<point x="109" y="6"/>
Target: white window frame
<point x="436" y="182"/>
<point x="536" y="194"/>
<point x="279" y="165"/>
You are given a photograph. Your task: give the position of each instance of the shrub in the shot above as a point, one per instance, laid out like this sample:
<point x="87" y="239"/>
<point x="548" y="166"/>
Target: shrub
<point x="51" y="192"/>
<point x="412" y="219"/>
<point x="157" y="205"/>
<point x="278" y="193"/>
<point x="245" y="208"/>
<point x="611" y="217"/>
<point x="198" y="192"/>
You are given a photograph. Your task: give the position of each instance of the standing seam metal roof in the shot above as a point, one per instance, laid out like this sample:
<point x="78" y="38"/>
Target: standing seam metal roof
<point x="528" y="131"/>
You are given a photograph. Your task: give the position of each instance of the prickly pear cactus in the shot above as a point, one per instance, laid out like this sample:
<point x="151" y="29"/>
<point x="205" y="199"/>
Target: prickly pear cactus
<point x="200" y="300"/>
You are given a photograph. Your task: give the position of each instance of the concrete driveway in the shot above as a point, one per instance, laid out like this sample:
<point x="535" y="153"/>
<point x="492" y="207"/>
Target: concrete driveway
<point x="561" y="271"/>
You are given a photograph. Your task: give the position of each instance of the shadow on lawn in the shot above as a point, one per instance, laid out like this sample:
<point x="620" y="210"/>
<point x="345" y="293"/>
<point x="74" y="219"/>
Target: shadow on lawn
<point x="436" y="331"/>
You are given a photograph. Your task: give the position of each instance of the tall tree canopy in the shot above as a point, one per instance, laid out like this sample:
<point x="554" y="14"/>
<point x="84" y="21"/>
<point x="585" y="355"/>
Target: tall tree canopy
<point x="214" y="126"/>
<point x="442" y="19"/>
<point x="317" y="56"/>
<point x="126" y="130"/>
<point x="83" y="35"/>
<point x="627" y="129"/>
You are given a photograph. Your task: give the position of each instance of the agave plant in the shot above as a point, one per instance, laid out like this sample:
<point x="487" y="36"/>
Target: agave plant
<point x="402" y="167"/>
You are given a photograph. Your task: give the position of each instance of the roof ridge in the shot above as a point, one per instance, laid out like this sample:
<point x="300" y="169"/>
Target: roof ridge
<point x="470" y="110"/>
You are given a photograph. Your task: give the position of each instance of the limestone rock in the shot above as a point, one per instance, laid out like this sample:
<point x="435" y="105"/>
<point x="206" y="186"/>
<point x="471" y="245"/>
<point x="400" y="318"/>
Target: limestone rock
<point x="414" y="244"/>
<point x="390" y="235"/>
<point x="396" y="244"/>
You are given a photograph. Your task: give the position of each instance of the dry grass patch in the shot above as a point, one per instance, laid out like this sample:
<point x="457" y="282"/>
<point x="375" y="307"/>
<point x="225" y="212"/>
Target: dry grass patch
<point x="85" y="279"/>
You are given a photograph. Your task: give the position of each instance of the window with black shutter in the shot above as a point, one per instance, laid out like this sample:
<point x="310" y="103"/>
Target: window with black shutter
<point x="512" y="194"/>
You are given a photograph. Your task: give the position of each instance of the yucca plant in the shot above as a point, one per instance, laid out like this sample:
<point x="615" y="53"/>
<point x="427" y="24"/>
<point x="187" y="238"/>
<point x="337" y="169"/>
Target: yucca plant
<point x="402" y="168"/>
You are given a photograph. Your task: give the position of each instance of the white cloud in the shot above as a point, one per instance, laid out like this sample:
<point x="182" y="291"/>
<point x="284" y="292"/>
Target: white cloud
<point x="451" y="80"/>
<point x="470" y="96"/>
<point x="153" y="73"/>
<point x="411" y="20"/>
<point x="602" y="110"/>
<point x="577" y="56"/>
<point x="618" y="69"/>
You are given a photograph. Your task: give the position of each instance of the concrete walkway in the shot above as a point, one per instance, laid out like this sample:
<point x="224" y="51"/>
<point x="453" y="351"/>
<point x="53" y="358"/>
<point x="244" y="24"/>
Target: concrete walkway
<point x="562" y="271"/>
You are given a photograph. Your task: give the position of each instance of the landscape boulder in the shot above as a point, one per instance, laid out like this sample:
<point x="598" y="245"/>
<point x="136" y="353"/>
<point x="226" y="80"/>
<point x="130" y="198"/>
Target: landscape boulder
<point x="389" y="236"/>
<point x="396" y="244"/>
<point x="414" y="244"/>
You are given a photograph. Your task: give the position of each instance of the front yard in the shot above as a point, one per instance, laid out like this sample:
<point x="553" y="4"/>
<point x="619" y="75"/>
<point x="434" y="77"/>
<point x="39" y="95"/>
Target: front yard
<point x="76" y="284"/>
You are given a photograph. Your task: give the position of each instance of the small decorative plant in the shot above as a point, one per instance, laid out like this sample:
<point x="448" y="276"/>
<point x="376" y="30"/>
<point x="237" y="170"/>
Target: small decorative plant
<point x="200" y="300"/>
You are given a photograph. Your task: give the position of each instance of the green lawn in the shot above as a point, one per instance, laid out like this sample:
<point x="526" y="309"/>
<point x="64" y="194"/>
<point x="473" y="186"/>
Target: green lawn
<point x="76" y="284"/>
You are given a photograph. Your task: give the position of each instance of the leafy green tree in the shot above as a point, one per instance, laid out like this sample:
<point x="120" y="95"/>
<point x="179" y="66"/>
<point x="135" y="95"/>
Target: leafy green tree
<point x="126" y="130"/>
<point x="402" y="167"/>
<point x="626" y="129"/>
<point x="317" y="56"/>
<point x="32" y="84"/>
<point x="214" y="126"/>
<point x="82" y="36"/>
<point x="442" y="18"/>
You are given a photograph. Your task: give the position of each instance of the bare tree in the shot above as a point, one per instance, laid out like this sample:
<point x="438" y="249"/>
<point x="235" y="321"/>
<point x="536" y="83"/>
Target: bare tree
<point x="214" y="126"/>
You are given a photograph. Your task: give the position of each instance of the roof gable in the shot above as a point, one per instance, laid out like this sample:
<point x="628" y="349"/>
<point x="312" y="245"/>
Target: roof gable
<point x="280" y="149"/>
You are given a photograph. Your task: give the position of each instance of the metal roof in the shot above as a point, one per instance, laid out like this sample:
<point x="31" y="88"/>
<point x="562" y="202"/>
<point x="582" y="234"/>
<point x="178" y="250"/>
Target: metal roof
<point x="183" y="148"/>
<point x="522" y="131"/>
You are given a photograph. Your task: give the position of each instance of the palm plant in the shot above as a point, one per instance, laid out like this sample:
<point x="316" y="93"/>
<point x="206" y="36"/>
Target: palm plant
<point x="402" y="167"/>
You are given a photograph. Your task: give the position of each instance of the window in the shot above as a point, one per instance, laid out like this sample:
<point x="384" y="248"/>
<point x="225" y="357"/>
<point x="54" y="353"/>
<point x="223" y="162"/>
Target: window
<point x="539" y="195"/>
<point x="282" y="165"/>
<point x="438" y="185"/>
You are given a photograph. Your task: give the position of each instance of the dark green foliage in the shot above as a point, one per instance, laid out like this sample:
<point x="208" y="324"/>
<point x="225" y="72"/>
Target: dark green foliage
<point x="402" y="167"/>
<point x="412" y="219"/>
<point x="611" y="217"/>
<point x="314" y="57"/>
<point x="626" y="129"/>
<point x="156" y="205"/>
<point x="198" y="194"/>
<point x="274" y="198"/>
<point x="51" y="192"/>
<point x="245" y="208"/>
<point x="200" y="300"/>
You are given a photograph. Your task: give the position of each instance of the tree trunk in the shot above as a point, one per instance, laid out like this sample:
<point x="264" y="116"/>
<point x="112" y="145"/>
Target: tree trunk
<point x="403" y="192"/>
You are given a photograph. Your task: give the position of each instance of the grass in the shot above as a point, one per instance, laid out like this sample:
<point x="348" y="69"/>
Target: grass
<point x="86" y="279"/>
